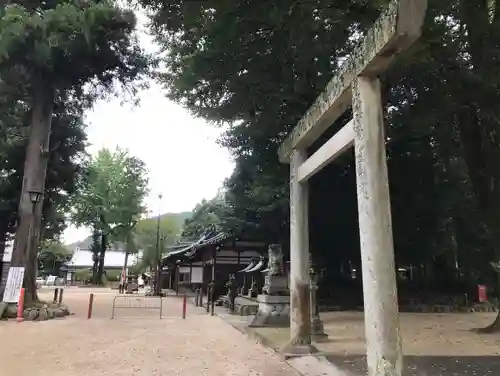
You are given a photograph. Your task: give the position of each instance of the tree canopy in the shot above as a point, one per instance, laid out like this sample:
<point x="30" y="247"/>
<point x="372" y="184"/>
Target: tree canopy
<point x="146" y="235"/>
<point x="110" y="200"/>
<point x="205" y="213"/>
<point x="52" y="256"/>
<point x="258" y="69"/>
<point x="61" y="51"/>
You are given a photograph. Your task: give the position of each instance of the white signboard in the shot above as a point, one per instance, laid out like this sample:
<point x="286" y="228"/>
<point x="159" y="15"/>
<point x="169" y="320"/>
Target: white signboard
<point x="197" y="275"/>
<point x="68" y="276"/>
<point x="14" y="284"/>
<point x="51" y="280"/>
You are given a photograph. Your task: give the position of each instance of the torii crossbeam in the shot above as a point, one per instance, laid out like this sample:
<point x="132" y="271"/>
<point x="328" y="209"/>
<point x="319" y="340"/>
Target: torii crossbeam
<point x="356" y="84"/>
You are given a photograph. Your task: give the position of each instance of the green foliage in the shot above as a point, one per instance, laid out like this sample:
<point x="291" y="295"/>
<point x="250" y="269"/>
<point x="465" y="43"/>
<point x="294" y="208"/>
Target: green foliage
<point x="112" y="192"/>
<point x="66" y="49"/>
<point x="442" y="130"/>
<point x="83" y="275"/>
<point x="278" y="70"/>
<point x="113" y="275"/>
<point x="178" y="218"/>
<point x="153" y="241"/>
<point x="110" y="200"/>
<point x="205" y="213"/>
<point x="71" y="43"/>
<point x="52" y="255"/>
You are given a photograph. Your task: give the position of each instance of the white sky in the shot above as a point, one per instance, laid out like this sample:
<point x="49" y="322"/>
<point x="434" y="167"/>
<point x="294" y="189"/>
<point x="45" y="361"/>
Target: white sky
<point x="184" y="162"/>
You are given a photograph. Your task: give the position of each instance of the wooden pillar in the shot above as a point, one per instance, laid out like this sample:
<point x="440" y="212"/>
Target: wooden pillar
<point x="177" y="278"/>
<point x="214" y="265"/>
<point x="170" y="277"/>
<point x="300" y="323"/>
<point x="383" y="341"/>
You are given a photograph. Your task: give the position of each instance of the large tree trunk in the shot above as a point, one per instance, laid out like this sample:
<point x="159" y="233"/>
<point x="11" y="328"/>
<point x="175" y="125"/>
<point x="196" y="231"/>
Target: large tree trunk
<point x="100" y="271"/>
<point x="479" y="128"/>
<point x="481" y="155"/>
<point x="123" y="276"/>
<point x="125" y="263"/>
<point x="35" y="169"/>
<point x="2" y="247"/>
<point x="3" y="235"/>
<point x="95" y="255"/>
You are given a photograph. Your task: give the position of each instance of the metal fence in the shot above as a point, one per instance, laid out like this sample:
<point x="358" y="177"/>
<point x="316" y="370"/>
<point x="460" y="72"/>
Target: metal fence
<point x="137" y="306"/>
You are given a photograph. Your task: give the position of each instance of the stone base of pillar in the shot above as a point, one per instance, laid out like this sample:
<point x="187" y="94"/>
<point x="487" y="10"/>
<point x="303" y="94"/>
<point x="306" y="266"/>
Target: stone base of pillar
<point x="276" y="285"/>
<point x="273" y="312"/>
<point x="293" y="349"/>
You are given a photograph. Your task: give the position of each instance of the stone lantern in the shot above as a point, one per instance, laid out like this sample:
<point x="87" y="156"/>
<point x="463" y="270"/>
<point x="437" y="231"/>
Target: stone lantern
<point x="317" y="329"/>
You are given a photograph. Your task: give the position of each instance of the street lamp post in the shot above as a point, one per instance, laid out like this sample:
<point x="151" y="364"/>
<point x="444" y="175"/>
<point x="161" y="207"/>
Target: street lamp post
<point x="35" y="197"/>
<point x="158" y="255"/>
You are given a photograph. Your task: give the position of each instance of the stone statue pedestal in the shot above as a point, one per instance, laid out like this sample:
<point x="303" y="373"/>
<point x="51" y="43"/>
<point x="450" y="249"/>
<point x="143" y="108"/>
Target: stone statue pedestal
<point x="276" y="285"/>
<point x="274" y="302"/>
<point x="273" y="312"/>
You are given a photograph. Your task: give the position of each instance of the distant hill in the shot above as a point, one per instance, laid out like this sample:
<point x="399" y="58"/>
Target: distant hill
<point x="178" y="218"/>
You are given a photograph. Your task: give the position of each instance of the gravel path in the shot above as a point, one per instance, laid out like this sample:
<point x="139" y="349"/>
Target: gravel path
<point x="200" y="345"/>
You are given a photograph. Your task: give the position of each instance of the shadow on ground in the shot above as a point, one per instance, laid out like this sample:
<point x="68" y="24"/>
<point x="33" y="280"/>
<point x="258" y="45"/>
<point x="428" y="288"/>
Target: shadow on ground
<point x="428" y="365"/>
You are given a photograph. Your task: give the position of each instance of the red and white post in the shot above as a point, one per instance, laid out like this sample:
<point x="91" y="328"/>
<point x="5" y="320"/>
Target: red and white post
<point x="20" y="306"/>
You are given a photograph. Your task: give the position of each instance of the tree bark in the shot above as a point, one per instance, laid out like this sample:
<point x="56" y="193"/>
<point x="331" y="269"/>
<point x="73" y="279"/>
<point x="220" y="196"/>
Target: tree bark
<point x="486" y="186"/>
<point x="3" y="235"/>
<point x="2" y="247"/>
<point x="125" y="263"/>
<point x="95" y="255"/>
<point x="479" y="131"/>
<point x="35" y="170"/>
<point x="123" y="277"/>
<point x="102" y="254"/>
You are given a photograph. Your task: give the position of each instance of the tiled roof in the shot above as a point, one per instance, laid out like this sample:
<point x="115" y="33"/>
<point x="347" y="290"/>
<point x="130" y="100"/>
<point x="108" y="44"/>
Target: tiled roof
<point x="189" y="250"/>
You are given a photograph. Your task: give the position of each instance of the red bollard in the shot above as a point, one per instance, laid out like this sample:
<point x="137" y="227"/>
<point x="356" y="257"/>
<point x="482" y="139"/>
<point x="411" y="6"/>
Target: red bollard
<point x="20" y="306"/>
<point x="184" y="306"/>
<point x="91" y="304"/>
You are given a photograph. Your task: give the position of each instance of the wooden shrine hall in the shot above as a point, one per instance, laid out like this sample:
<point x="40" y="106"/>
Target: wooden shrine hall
<point x="214" y="256"/>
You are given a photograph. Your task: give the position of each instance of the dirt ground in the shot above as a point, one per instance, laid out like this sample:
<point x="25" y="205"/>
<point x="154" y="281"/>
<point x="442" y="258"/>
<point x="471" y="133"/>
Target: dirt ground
<point x="447" y="334"/>
<point x="135" y="343"/>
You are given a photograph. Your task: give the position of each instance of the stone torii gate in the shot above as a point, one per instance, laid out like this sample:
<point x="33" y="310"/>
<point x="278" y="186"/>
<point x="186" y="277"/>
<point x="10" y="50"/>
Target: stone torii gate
<point x="356" y="84"/>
